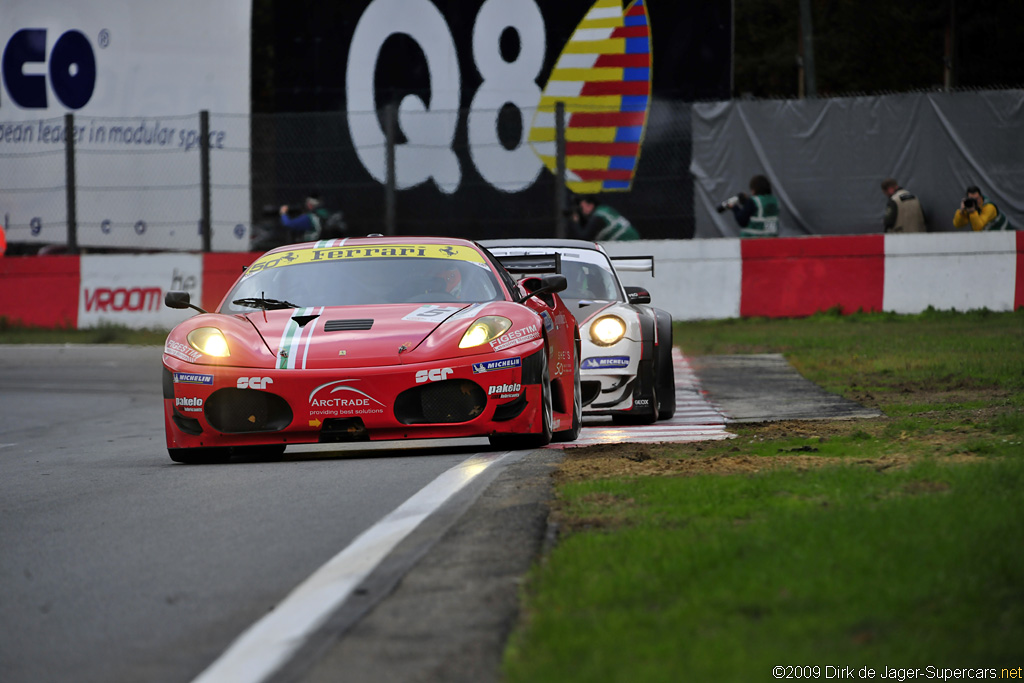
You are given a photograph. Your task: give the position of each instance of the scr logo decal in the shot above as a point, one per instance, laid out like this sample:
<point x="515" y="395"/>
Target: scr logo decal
<point x="435" y="375"/>
<point x="254" y="382"/>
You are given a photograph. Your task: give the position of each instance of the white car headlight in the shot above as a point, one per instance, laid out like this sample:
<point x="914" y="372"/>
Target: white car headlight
<point x="607" y="330"/>
<point x="484" y="330"/>
<point x="209" y="341"/>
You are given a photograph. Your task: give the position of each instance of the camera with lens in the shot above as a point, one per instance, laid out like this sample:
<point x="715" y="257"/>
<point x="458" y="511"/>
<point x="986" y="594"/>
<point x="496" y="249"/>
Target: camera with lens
<point x="970" y="203"/>
<point x="728" y="204"/>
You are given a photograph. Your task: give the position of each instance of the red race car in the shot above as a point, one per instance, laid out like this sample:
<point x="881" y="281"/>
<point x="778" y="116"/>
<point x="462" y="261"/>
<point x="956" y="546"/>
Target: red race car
<point x="372" y="338"/>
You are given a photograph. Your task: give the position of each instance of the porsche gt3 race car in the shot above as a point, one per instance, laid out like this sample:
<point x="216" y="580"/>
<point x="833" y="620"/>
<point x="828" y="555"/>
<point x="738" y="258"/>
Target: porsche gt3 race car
<point x="627" y="367"/>
<point x="372" y="338"/>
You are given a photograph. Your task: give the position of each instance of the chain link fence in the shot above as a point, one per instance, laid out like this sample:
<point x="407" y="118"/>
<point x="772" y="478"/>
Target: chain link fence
<point x="137" y="184"/>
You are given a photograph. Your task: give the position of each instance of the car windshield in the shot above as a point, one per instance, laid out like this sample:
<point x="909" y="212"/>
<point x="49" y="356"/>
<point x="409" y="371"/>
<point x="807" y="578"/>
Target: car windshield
<point x="588" y="273"/>
<point x="301" y="283"/>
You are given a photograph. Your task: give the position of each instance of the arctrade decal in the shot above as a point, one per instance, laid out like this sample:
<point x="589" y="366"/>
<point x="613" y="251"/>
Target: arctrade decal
<point x="192" y="378"/>
<point x="360" y="403"/>
<point x="600" y="362"/>
<point x="514" y="337"/>
<point x="179" y="350"/>
<point x="308" y="255"/>
<point x="505" y="390"/>
<point x="503" y="364"/>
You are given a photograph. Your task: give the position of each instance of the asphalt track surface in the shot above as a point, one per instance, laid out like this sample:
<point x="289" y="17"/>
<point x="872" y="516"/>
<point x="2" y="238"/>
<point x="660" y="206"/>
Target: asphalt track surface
<point x="438" y="607"/>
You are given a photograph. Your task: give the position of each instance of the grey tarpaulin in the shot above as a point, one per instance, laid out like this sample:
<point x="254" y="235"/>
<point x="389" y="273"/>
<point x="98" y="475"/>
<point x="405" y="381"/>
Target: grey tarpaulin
<point x="826" y="158"/>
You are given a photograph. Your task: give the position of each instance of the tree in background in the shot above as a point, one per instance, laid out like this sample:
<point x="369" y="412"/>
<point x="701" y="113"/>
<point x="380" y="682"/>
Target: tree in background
<point x="877" y="45"/>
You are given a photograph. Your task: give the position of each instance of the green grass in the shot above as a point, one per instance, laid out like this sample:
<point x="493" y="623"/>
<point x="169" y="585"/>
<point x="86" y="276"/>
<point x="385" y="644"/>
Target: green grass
<point x="103" y="334"/>
<point x="890" y="542"/>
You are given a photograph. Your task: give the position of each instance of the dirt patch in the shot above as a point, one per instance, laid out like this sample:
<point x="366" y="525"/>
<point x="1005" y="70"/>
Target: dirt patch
<point x="729" y="457"/>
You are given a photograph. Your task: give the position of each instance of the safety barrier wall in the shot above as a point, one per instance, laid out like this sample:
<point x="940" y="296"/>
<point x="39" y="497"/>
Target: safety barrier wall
<point x="693" y="279"/>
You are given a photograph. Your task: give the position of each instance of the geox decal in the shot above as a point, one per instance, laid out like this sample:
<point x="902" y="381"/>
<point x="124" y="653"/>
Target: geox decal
<point x="191" y="378"/>
<point x="492" y="365"/>
<point x="599" y="362"/>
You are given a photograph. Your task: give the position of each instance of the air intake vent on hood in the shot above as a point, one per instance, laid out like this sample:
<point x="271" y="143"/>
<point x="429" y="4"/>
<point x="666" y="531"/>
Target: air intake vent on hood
<point x="340" y="325"/>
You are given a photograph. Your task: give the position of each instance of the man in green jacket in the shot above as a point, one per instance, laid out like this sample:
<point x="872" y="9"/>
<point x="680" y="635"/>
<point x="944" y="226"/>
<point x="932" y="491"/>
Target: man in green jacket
<point x="599" y="222"/>
<point x="758" y="214"/>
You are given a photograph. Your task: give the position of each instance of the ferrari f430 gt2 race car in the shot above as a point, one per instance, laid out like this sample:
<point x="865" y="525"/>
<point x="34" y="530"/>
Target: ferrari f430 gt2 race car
<point x="372" y="338"/>
<point x="627" y="344"/>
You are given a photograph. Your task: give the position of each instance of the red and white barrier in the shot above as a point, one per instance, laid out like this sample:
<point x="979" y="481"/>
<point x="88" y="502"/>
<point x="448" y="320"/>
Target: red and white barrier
<point x="798" y="276"/>
<point x="693" y="279"/>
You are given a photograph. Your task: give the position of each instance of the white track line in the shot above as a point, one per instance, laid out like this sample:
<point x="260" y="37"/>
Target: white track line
<point x="696" y="418"/>
<point x="269" y="643"/>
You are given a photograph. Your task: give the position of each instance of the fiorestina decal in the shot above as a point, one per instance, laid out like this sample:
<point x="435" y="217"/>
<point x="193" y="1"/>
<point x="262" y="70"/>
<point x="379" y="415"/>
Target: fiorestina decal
<point x="603" y="76"/>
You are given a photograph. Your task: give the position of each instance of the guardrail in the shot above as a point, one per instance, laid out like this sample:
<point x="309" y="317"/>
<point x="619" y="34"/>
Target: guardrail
<point x="695" y="279"/>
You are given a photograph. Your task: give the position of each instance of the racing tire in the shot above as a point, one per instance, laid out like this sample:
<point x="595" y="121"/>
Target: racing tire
<point x="666" y="375"/>
<point x="573" y="433"/>
<point x="519" y="442"/>
<point x="647" y="380"/>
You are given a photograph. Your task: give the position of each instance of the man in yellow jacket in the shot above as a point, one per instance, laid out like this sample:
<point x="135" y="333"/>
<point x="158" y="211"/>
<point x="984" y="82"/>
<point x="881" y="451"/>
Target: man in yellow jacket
<point x="979" y="212"/>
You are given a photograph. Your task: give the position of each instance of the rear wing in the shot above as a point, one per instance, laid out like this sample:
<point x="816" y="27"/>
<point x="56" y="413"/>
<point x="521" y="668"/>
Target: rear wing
<point x="532" y="264"/>
<point x="634" y="264"/>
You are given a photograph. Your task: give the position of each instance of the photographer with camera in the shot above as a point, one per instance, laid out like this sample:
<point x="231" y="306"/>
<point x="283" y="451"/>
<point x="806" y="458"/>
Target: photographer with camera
<point x="979" y="212"/>
<point x="903" y="211"/>
<point x="758" y="214"/>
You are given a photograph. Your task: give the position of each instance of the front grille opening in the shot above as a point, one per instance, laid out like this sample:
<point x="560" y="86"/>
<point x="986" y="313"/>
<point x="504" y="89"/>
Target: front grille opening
<point x="354" y="324"/>
<point x="189" y="425"/>
<point x="237" y="411"/>
<point x="589" y="390"/>
<point x="447" y="402"/>
<point x="343" y="430"/>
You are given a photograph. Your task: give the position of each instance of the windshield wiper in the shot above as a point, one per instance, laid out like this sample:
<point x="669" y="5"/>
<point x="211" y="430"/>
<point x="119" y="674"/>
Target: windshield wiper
<point x="265" y="304"/>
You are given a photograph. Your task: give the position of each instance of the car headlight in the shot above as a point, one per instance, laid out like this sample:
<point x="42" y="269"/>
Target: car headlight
<point x="607" y="330"/>
<point x="209" y="341"/>
<point x="484" y="330"/>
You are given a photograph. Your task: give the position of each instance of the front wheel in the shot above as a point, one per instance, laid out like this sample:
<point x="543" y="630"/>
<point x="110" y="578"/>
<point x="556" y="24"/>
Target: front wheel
<point x="573" y="433"/>
<point x="666" y="382"/>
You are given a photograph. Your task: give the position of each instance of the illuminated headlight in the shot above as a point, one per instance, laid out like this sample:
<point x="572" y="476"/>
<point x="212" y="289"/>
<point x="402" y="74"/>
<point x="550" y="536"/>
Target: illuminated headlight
<point x="607" y="330"/>
<point x="210" y="341"/>
<point x="484" y="330"/>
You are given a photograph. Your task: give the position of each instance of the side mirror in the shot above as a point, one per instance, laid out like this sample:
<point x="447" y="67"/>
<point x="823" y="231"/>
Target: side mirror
<point x="180" y="300"/>
<point x="544" y="285"/>
<point x="638" y="295"/>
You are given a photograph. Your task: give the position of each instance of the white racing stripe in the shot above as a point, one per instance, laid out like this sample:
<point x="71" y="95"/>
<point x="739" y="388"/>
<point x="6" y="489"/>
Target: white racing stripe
<point x="268" y="644"/>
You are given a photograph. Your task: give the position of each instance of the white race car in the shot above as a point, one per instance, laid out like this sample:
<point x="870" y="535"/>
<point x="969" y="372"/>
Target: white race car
<point x="626" y="353"/>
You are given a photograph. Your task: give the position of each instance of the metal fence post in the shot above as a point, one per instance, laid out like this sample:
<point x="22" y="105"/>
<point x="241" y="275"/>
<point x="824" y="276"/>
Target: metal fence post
<point x="560" y="203"/>
<point x="204" y="176"/>
<point x="390" y="121"/>
<point x="70" y="182"/>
